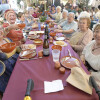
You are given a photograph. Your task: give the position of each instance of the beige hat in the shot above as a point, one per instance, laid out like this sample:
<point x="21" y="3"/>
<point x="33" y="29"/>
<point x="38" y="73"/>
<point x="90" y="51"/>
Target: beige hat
<point x="80" y="79"/>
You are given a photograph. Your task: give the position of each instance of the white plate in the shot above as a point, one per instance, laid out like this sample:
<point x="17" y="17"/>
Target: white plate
<point x="60" y="38"/>
<point x="36" y="32"/>
<point x="55" y="43"/>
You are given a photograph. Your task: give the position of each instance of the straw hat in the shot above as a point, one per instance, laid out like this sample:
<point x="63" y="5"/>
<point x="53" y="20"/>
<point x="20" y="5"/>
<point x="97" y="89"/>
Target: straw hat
<point x="80" y="80"/>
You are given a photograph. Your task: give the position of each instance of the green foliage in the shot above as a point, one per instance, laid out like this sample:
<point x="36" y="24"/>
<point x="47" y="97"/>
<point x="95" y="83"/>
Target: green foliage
<point x="42" y="18"/>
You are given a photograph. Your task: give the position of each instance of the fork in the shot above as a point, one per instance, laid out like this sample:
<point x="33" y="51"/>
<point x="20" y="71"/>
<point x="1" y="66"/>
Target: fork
<point x="69" y="53"/>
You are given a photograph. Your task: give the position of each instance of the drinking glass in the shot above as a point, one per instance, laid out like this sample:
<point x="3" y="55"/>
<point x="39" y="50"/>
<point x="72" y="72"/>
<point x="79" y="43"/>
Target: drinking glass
<point x="55" y="54"/>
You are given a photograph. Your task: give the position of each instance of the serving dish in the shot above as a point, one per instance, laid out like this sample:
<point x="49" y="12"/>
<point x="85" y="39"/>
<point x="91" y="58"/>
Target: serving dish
<point x="8" y="47"/>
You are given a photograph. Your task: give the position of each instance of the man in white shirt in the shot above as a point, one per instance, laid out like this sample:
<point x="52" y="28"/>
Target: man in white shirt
<point x="69" y="26"/>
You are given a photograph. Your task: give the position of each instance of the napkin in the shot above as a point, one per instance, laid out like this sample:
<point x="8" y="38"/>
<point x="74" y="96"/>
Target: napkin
<point x="53" y="86"/>
<point x="80" y="79"/>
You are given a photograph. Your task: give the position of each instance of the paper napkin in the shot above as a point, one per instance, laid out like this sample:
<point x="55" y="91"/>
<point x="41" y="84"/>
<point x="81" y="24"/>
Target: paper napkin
<point x="53" y="86"/>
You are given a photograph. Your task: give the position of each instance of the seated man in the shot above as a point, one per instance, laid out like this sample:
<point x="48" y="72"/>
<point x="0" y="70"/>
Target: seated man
<point x="68" y="27"/>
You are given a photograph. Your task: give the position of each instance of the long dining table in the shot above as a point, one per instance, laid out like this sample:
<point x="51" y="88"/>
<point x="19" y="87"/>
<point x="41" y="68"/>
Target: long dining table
<point x="40" y="70"/>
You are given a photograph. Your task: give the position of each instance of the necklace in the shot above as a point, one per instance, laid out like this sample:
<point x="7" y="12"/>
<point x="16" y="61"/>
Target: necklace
<point x="94" y="47"/>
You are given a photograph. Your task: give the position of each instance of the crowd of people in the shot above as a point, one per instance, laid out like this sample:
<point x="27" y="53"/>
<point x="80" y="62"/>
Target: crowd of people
<point x="73" y="23"/>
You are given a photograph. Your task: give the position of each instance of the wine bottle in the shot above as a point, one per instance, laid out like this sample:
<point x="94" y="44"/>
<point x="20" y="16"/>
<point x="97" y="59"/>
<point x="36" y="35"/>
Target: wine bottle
<point x="47" y="31"/>
<point x="45" y="46"/>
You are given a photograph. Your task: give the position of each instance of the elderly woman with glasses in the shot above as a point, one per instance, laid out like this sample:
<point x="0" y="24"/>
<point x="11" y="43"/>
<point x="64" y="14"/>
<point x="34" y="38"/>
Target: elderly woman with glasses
<point x="91" y="54"/>
<point x="83" y="35"/>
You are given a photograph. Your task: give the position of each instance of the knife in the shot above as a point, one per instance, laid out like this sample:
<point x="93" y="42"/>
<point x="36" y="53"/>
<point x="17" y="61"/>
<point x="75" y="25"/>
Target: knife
<point x="28" y="59"/>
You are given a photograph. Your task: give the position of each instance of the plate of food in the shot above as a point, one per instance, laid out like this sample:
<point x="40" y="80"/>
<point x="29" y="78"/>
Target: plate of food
<point x="28" y="46"/>
<point x="61" y="43"/>
<point x="69" y="62"/>
<point x="36" y="32"/>
<point x="27" y="54"/>
<point x="38" y="41"/>
<point x="32" y="36"/>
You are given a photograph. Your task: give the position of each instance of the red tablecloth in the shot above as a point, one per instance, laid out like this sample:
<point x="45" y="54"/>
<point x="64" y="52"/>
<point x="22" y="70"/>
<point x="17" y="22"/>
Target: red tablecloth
<point x="41" y="70"/>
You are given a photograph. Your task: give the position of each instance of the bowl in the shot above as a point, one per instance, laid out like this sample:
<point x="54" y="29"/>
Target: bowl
<point x="38" y="41"/>
<point x="52" y="34"/>
<point x="57" y="47"/>
<point x="42" y="27"/>
<point x="8" y="47"/>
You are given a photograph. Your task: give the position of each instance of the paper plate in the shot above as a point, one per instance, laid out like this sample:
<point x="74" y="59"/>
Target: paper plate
<point x="36" y="32"/>
<point x="69" y="62"/>
<point x="60" y="38"/>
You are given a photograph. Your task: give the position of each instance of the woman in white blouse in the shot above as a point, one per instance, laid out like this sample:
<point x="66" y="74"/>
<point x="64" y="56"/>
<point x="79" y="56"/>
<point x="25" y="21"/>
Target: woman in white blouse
<point x="58" y="15"/>
<point x="91" y="53"/>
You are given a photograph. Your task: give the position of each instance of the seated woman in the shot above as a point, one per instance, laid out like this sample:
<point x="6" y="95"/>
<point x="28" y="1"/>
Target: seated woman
<point x="53" y="11"/>
<point x="58" y="15"/>
<point x="7" y="59"/>
<point x="21" y="17"/>
<point x="83" y="35"/>
<point x="64" y="17"/>
<point x="12" y="29"/>
<point x="36" y="11"/>
<point x="91" y="54"/>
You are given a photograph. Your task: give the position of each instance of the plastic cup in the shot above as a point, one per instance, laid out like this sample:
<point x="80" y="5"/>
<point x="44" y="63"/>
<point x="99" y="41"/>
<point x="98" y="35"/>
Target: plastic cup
<point x="55" y="54"/>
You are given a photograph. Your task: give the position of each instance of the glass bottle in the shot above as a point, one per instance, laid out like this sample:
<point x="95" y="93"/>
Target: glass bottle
<point x="46" y="46"/>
